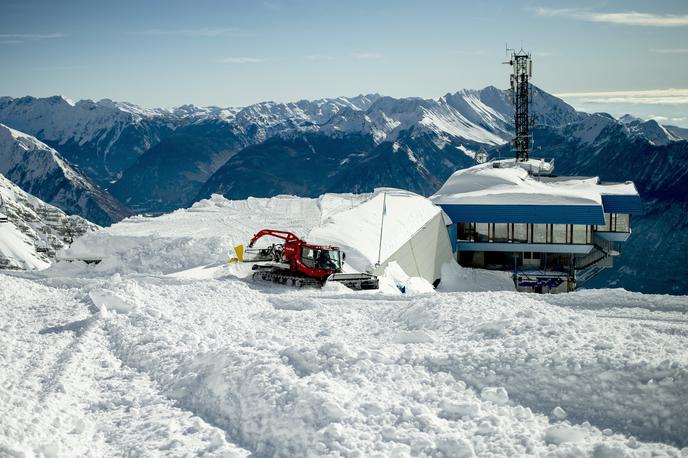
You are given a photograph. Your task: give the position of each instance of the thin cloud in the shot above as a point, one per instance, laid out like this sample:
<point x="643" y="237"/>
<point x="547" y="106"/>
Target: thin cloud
<point x="366" y="55"/>
<point x="20" y="37"/>
<point x="666" y="118"/>
<point x="240" y="60"/>
<point x="648" y="97"/>
<point x="201" y="32"/>
<point x="670" y="50"/>
<point x="625" y="18"/>
<point x="318" y="57"/>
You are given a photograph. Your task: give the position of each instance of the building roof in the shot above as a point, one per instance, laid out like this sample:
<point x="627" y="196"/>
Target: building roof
<point x="504" y="191"/>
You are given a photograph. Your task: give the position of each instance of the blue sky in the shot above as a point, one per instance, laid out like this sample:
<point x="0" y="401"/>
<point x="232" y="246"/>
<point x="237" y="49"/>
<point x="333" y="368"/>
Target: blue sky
<point x="604" y="56"/>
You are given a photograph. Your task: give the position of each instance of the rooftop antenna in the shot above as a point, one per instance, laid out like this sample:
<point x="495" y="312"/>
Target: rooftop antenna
<point x="522" y="70"/>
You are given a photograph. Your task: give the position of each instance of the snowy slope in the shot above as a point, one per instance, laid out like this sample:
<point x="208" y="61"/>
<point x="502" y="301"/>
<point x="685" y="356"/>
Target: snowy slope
<point x="156" y="365"/>
<point x="34" y="230"/>
<point x="41" y="171"/>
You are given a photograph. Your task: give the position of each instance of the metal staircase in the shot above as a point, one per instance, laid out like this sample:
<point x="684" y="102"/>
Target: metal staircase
<point x="599" y="258"/>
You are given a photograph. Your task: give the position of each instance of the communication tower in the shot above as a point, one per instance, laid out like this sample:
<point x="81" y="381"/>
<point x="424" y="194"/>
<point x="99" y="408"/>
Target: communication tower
<point x="521" y="94"/>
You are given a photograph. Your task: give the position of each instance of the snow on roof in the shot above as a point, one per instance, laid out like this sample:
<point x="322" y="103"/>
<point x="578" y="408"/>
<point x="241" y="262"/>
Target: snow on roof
<point x="485" y="184"/>
<point x="357" y="231"/>
<point x="618" y="189"/>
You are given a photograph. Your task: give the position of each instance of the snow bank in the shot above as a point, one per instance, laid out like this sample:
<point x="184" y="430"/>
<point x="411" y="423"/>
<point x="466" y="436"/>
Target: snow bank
<point x="409" y="285"/>
<point x="456" y="278"/>
<point x="201" y="235"/>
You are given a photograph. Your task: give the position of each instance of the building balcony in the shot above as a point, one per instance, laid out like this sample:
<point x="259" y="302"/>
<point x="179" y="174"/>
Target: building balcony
<point x="517" y="247"/>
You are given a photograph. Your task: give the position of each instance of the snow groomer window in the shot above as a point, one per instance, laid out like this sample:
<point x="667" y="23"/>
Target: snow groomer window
<point x="307" y="257"/>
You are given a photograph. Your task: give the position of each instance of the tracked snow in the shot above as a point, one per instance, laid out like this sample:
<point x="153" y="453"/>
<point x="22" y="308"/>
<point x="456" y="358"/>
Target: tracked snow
<point x="297" y="373"/>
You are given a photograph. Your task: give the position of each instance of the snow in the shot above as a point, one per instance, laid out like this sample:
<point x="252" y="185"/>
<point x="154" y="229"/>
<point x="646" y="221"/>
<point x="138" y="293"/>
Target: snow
<point x="506" y="183"/>
<point x="165" y="352"/>
<point x="201" y="235"/>
<point x="32" y="223"/>
<point x="17" y="249"/>
<point x="357" y="230"/>
<point x="40" y="170"/>
<point x="221" y="366"/>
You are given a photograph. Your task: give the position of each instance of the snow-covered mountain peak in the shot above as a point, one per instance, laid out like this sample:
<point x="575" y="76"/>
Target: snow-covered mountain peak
<point x="43" y="159"/>
<point x="628" y="118"/>
<point x="41" y="171"/>
<point x="650" y="130"/>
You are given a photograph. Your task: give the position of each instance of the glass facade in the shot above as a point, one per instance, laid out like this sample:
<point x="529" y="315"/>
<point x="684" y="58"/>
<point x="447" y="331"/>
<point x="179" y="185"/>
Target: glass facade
<point x="482" y="232"/>
<point x="501" y="232"/>
<point x="519" y="232"/>
<point x="539" y="233"/>
<point x="559" y="233"/>
<point x="615" y="222"/>
<point x="529" y="233"/>
<point x="580" y="233"/>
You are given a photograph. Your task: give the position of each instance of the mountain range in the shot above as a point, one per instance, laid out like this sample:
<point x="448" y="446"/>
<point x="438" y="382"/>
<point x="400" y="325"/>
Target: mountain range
<point x="117" y="158"/>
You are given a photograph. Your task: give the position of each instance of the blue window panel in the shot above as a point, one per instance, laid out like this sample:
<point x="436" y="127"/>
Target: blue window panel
<point x="535" y="214"/>
<point x="622" y="204"/>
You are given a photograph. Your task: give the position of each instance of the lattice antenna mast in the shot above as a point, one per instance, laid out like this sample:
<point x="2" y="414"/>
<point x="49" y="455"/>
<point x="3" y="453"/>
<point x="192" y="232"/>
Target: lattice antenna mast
<point x="522" y="65"/>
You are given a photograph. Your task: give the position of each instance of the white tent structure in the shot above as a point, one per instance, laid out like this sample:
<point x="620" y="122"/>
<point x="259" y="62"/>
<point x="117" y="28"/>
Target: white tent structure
<point x="393" y="225"/>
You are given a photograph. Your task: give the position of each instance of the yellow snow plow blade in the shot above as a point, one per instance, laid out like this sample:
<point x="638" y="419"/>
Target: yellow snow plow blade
<point x="239" y="250"/>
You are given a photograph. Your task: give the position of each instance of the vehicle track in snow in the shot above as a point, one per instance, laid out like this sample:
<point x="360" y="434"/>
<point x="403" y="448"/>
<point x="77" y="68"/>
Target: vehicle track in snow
<point x="64" y="393"/>
<point x="183" y="365"/>
<point x="281" y="370"/>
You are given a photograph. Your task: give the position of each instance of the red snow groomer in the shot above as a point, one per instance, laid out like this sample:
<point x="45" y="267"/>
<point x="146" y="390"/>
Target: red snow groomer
<point x="297" y="263"/>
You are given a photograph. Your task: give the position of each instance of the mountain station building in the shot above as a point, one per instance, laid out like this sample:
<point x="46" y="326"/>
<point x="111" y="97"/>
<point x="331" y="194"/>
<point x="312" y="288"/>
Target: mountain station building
<point x="553" y="232"/>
